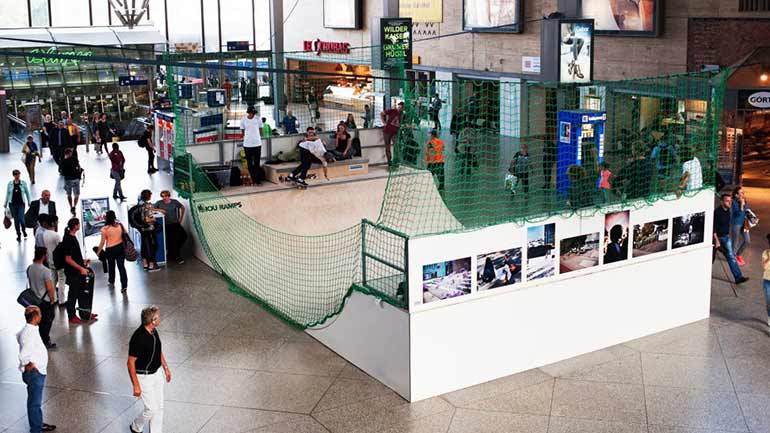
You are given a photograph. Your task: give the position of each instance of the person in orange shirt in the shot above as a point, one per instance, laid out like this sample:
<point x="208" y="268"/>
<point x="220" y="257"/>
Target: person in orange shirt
<point x="434" y="158"/>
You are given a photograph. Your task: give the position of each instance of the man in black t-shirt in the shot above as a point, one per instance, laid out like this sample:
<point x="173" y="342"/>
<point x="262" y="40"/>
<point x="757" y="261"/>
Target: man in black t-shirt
<point x="722" y="243"/>
<point x="71" y="171"/>
<point x="75" y="269"/>
<point x="145" y="358"/>
<point x="147" y="142"/>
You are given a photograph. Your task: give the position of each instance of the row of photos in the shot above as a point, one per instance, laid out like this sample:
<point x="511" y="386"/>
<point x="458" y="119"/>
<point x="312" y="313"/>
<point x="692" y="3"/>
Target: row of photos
<point x="453" y="278"/>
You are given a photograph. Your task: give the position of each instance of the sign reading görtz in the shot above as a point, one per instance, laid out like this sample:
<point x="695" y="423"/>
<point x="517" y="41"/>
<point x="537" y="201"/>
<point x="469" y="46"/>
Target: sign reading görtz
<point x="753" y="100"/>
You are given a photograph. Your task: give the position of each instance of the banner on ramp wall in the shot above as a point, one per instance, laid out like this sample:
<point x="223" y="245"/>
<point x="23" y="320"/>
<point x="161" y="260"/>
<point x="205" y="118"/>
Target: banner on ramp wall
<point x="93" y="215"/>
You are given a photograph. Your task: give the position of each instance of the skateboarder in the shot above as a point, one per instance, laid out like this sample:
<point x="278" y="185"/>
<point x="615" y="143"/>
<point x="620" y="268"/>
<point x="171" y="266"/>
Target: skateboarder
<point x="311" y="149"/>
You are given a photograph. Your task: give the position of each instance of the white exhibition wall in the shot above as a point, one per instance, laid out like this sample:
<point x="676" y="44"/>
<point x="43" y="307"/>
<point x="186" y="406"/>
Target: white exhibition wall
<point x="471" y="339"/>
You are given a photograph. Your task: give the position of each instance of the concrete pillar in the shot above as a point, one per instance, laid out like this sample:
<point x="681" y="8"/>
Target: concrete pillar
<point x="5" y="145"/>
<point x="279" y="79"/>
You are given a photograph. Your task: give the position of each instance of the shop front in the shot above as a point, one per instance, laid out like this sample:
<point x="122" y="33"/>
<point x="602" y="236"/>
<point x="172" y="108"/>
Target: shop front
<point x="332" y="80"/>
<point x="77" y="85"/>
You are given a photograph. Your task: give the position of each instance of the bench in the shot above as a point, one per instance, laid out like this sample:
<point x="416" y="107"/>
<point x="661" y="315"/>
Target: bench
<point x="277" y="173"/>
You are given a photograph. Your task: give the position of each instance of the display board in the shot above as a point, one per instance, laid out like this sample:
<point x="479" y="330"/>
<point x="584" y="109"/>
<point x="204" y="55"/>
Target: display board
<point x="623" y="17"/>
<point x="342" y="14"/>
<point x="576" y="51"/>
<point x="504" y="16"/>
<point x="396" y="40"/>
<point x="422" y="11"/>
<point x="93" y="215"/>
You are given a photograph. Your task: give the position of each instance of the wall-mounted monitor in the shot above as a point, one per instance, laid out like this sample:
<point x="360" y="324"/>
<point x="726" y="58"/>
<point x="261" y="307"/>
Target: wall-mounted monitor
<point x="501" y="16"/>
<point x="343" y="14"/>
<point x="623" y="17"/>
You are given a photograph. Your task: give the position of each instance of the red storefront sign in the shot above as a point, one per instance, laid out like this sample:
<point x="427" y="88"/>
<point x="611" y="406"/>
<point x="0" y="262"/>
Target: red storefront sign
<point x="319" y="46"/>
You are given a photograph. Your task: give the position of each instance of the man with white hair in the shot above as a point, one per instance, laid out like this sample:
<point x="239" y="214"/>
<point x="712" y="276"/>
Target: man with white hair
<point x="145" y="358"/>
<point x="33" y="363"/>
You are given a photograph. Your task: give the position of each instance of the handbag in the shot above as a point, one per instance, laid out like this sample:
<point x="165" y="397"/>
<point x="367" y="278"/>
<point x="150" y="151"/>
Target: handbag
<point x="28" y="297"/>
<point x="128" y="246"/>
<point x="751" y="220"/>
<point x="7" y="219"/>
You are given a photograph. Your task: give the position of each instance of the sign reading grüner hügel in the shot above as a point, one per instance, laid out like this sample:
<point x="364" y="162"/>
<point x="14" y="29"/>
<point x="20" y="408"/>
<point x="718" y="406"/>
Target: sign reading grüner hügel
<point x="396" y="40"/>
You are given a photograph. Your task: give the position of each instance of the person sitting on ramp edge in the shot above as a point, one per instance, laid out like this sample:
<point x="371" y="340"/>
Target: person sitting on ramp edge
<point x="311" y="149"/>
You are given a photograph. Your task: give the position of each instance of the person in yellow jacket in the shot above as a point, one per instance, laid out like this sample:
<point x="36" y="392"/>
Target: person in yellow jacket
<point x="434" y="158"/>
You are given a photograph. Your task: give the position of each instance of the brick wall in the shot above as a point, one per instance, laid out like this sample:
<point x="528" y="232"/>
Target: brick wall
<point x="724" y="41"/>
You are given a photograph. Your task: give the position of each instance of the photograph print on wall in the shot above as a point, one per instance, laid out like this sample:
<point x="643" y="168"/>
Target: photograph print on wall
<point x="688" y="230"/>
<point x="501" y="268"/>
<point x="650" y="238"/>
<point x="541" y="251"/>
<point x="446" y="280"/>
<point x="579" y="252"/>
<point x="616" y="236"/>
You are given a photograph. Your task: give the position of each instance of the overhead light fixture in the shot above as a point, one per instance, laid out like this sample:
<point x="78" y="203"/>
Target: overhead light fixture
<point x="763" y="78"/>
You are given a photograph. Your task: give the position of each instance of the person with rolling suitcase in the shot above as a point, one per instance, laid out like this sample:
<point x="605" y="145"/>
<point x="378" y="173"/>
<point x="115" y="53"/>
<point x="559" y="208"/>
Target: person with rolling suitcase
<point x="80" y="277"/>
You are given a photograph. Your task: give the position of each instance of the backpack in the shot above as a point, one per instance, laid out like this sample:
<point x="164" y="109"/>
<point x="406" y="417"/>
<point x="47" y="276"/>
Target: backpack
<point x="135" y="219"/>
<point x="59" y="255"/>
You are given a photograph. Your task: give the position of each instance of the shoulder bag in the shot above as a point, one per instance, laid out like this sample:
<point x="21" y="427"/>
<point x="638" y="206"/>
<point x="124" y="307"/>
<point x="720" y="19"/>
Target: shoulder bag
<point x="128" y="246"/>
<point x="28" y="297"/>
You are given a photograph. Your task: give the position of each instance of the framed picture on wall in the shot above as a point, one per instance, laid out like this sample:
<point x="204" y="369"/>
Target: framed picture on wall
<point x="343" y="14"/>
<point x="501" y="16"/>
<point x="623" y="17"/>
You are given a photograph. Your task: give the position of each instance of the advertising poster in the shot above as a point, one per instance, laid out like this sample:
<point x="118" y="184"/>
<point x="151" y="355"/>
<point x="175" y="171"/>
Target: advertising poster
<point x="541" y="251"/>
<point x="501" y="268"/>
<point x="492" y="15"/>
<point x="650" y="238"/>
<point x="688" y="230"/>
<point x="396" y="37"/>
<point x="342" y="14"/>
<point x="579" y="252"/>
<point x="616" y="236"/>
<point x="421" y="11"/>
<point x="92" y="218"/>
<point x="576" y="51"/>
<point x="446" y="280"/>
<point x="616" y="16"/>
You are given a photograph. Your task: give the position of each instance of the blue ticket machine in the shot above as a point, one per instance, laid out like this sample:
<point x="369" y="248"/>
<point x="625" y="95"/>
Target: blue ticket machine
<point x="580" y="131"/>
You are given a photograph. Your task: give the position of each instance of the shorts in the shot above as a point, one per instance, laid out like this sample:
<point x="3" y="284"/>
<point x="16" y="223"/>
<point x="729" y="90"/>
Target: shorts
<point x="72" y="187"/>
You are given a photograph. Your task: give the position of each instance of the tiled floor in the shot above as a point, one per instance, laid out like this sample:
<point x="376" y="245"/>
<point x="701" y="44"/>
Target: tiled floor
<point x="238" y="369"/>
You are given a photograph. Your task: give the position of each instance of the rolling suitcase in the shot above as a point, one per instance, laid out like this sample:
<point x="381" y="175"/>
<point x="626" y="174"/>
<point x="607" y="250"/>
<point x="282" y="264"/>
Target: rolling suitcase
<point x="86" y="297"/>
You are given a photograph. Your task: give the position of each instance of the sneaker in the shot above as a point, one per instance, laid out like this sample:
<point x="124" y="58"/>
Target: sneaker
<point x="153" y="268"/>
<point x="76" y="321"/>
<point x="48" y="427"/>
<point x="301" y="182"/>
<point x="25" y="235"/>
<point x="131" y="427"/>
<point x="94" y="316"/>
<point x="742" y="280"/>
<point x="72" y="210"/>
<point x="291" y="178"/>
<point x="740" y="260"/>
<point x="768" y="321"/>
<point x="180" y="262"/>
<point x="50" y="346"/>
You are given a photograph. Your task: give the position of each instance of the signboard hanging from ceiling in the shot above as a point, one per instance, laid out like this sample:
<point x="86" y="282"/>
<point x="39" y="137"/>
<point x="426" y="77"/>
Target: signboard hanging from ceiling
<point x="422" y="11"/>
<point x="396" y="42"/>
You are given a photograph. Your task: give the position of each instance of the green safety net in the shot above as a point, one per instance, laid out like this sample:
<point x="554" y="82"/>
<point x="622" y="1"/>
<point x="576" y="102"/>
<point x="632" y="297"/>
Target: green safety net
<point x="645" y="132"/>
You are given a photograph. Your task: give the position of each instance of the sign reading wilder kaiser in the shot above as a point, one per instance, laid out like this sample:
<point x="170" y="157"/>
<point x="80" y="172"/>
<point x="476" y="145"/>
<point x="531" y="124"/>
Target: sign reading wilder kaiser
<point x="396" y="40"/>
<point x="319" y="46"/>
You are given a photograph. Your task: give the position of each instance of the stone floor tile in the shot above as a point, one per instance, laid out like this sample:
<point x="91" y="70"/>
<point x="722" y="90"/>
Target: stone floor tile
<point x="306" y="358"/>
<point x="756" y="410"/>
<point x="574" y="425"/>
<point x="14" y="402"/>
<point x="694" y="336"/>
<point x="258" y="323"/>
<point x="377" y="414"/>
<point x="430" y="424"/>
<point x="686" y="371"/>
<point x="750" y="375"/>
<point x="705" y="409"/>
<point x="741" y="340"/>
<point x="279" y="391"/>
<point x="177" y="417"/>
<point x="671" y="429"/>
<point x="496" y="387"/>
<point x="93" y="412"/>
<point x="129" y="314"/>
<point x="305" y="425"/>
<point x="348" y="391"/>
<point x="65" y="369"/>
<point x="352" y="372"/>
<point x="627" y="369"/>
<point x="196" y="320"/>
<point x="532" y="400"/>
<point x="239" y="420"/>
<point x="473" y="421"/>
<point x="599" y="401"/>
<point x="235" y="352"/>
<point x="97" y="338"/>
<point x="195" y="385"/>
<point x="582" y="362"/>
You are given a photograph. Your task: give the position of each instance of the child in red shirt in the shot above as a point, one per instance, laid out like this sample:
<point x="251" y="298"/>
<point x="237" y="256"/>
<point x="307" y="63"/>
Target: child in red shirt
<point x="604" y="183"/>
